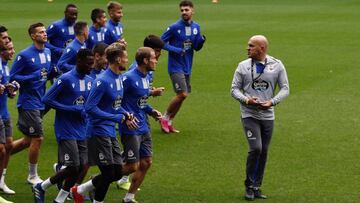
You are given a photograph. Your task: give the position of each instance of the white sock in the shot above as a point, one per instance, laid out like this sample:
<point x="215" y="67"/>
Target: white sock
<point x="97" y="201"/>
<point x="46" y="184"/>
<point x="166" y="116"/>
<point x="32" y="169"/>
<point x="62" y="195"/>
<point x="124" y="179"/>
<point x="2" y="179"/>
<point x="129" y="196"/>
<point x="85" y="187"/>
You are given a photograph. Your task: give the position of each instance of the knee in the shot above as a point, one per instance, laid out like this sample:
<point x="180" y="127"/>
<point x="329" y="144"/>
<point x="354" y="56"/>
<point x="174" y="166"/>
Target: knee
<point x="36" y="142"/>
<point x="256" y="151"/>
<point x="9" y="146"/>
<point x="145" y="164"/>
<point x="130" y="168"/>
<point x="182" y="96"/>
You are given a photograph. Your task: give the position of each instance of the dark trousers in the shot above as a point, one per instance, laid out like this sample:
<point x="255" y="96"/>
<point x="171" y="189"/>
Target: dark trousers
<point x="258" y="134"/>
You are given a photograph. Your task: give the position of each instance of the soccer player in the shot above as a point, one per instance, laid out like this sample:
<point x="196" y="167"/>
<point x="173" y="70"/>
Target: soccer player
<point x="97" y="30"/>
<point x="6" y="55"/>
<point x="67" y="60"/>
<point x="156" y="44"/>
<point x="253" y="85"/>
<point x="137" y="142"/>
<point x="30" y="69"/>
<point x="114" y="28"/>
<point x="101" y="62"/>
<point x="181" y="38"/>
<point x="4" y="37"/>
<point x="61" y="33"/>
<point x="67" y="96"/>
<point x="105" y="111"/>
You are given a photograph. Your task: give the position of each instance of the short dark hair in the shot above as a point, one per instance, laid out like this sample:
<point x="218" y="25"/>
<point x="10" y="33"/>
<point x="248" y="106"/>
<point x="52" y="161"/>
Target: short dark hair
<point x="95" y="13"/>
<point x="83" y="53"/>
<point x="100" y="48"/>
<point x="154" y="42"/>
<point x="113" y="4"/>
<point x="3" y="29"/>
<point x="70" y="6"/>
<point x="32" y="27"/>
<point x="186" y="3"/>
<point x="113" y="51"/>
<point x="79" y="27"/>
<point x="142" y="53"/>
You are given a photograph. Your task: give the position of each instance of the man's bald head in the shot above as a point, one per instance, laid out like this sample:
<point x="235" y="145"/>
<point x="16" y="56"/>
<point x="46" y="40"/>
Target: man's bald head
<point x="257" y="47"/>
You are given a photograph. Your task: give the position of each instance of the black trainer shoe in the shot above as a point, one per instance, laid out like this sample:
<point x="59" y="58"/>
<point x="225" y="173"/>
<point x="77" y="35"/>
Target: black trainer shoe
<point x="258" y="194"/>
<point x="249" y="194"/>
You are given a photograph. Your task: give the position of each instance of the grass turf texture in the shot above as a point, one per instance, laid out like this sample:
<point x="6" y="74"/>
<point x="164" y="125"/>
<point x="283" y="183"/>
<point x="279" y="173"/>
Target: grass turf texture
<point x="314" y="151"/>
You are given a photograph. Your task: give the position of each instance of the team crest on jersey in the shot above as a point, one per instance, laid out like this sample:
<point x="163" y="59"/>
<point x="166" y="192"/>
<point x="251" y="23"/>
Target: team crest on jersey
<point x="117" y="103"/>
<point x="260" y="85"/>
<point x="195" y="31"/>
<point x="79" y="101"/>
<point x="89" y="85"/>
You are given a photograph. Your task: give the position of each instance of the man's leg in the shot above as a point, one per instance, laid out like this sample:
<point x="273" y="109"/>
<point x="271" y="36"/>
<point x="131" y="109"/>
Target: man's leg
<point x="181" y="85"/>
<point x="267" y="127"/>
<point x="20" y="144"/>
<point x="8" y="148"/>
<point x="139" y="175"/>
<point x="253" y="136"/>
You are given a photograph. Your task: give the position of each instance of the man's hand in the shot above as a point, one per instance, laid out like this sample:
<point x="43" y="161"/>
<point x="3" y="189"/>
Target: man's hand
<point x="155" y="114"/>
<point x="265" y="105"/>
<point x="254" y="101"/>
<point x="2" y="88"/>
<point x="12" y="87"/>
<point x="122" y="42"/>
<point x="158" y="91"/>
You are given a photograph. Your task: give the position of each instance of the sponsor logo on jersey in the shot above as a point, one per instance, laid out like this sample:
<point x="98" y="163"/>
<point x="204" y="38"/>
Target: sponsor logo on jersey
<point x="117" y="103"/>
<point x="260" y="85"/>
<point x="142" y="102"/>
<point x="79" y="101"/>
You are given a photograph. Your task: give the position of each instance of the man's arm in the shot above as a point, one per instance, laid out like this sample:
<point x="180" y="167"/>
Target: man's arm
<point x="166" y="36"/>
<point x="50" y="98"/>
<point x="16" y="71"/>
<point x="63" y="63"/>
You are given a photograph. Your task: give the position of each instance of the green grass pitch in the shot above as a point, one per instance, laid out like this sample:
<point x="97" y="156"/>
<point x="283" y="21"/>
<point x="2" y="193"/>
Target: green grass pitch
<point x="314" y="154"/>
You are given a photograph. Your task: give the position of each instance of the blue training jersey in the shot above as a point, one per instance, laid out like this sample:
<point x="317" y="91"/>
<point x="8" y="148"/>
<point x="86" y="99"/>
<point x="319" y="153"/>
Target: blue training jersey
<point x="95" y="36"/>
<point x="95" y="73"/>
<point x="181" y="39"/>
<point x="113" y="32"/>
<point x="136" y="94"/>
<point x="31" y="69"/>
<point x="60" y="34"/>
<point x="4" y="80"/>
<point x="150" y="74"/>
<point x="104" y="104"/>
<point x="67" y="60"/>
<point x="67" y="96"/>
